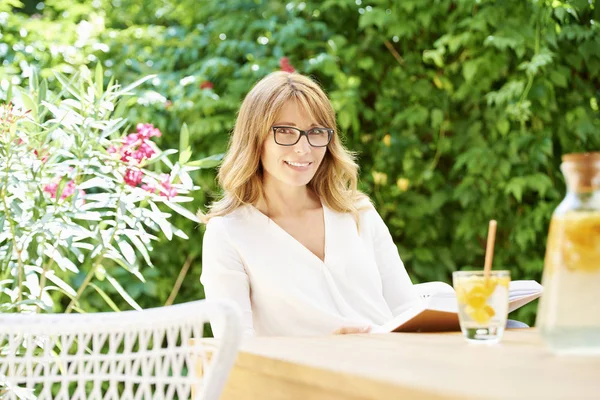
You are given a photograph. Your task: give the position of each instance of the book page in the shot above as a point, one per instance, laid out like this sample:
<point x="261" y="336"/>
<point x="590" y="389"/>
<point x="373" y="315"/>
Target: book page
<point x="439" y="308"/>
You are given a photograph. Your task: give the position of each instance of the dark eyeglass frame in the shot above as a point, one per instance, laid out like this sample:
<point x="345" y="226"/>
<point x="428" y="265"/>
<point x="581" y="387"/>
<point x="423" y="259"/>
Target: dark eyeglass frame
<point x="302" y="133"/>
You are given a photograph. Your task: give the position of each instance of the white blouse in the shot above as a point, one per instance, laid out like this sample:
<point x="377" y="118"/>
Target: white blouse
<point x="284" y="289"/>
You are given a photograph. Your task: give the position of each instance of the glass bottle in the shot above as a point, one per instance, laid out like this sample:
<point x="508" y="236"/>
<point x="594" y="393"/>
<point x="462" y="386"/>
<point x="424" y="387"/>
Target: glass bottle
<point x="569" y="311"/>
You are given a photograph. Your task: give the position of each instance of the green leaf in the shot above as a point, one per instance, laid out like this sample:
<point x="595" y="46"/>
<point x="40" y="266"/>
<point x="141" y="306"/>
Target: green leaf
<point x="184" y="138"/>
<point x="158" y="218"/>
<point x="515" y="187"/>
<point x="127" y="89"/>
<point x="207" y="162"/>
<point x="185" y="155"/>
<point x="105" y="297"/>
<point x="123" y="292"/>
<point x="437" y="116"/>
<point x="60" y="283"/>
<point x="67" y="85"/>
<point x="374" y="17"/>
<point x="99" y="80"/>
<point x="139" y="245"/>
<point x="127" y="251"/>
<point x="558" y="79"/>
<point x="114" y="127"/>
<point x="43" y="90"/>
<point x="344" y="119"/>
<point x="29" y="104"/>
<point x="366" y="63"/>
<point x="63" y="262"/>
<point x="503" y="126"/>
<point x="182" y="211"/>
<point x="435" y="56"/>
<point x="469" y="70"/>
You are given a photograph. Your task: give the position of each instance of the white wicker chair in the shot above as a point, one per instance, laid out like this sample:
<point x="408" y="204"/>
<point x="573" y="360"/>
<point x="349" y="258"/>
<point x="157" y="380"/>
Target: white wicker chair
<point x="145" y="354"/>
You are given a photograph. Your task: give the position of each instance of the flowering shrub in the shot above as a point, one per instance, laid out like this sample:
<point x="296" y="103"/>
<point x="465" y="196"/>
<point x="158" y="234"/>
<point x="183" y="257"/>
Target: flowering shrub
<point x="77" y="198"/>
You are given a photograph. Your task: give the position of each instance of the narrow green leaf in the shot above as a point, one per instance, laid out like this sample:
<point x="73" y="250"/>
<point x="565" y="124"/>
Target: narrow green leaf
<point x="207" y="162"/>
<point x="30" y="104"/>
<point x="9" y="92"/>
<point x="164" y="225"/>
<point x="437" y="117"/>
<point x="60" y="283"/>
<point x="127" y="89"/>
<point x="114" y="128"/>
<point x="127" y="251"/>
<point x="43" y="90"/>
<point x="99" y="80"/>
<point x="34" y="81"/>
<point x="137" y="242"/>
<point x="182" y="211"/>
<point x="67" y="85"/>
<point x="106" y="298"/>
<point x="184" y="138"/>
<point x="185" y="155"/>
<point x="123" y="292"/>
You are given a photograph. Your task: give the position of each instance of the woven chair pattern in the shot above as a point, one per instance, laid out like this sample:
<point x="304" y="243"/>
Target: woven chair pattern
<point x="156" y="354"/>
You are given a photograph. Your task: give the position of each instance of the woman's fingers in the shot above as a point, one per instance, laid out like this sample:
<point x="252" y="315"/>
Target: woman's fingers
<point x="346" y="330"/>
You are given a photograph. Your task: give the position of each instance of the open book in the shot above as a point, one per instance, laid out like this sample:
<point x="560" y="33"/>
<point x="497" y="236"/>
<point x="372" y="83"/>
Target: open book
<point x="438" y="311"/>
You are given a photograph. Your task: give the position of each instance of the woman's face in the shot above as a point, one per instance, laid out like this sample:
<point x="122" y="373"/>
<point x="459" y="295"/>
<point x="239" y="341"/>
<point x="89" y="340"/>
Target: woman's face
<point x="297" y="164"/>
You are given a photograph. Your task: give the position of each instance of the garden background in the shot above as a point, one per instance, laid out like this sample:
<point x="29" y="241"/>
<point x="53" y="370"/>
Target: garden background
<point x="459" y="110"/>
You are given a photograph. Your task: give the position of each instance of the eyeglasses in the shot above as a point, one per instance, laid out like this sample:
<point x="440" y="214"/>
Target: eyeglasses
<point x="289" y="136"/>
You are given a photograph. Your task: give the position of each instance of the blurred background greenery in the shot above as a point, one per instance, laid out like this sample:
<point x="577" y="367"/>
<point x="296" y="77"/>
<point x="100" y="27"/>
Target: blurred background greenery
<point x="458" y="110"/>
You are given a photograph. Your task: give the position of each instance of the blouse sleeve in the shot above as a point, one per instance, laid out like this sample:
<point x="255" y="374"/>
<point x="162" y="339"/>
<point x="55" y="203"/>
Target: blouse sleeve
<point x="223" y="274"/>
<point x="398" y="289"/>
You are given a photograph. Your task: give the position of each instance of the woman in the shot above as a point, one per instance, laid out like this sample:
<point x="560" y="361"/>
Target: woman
<point x="292" y="241"/>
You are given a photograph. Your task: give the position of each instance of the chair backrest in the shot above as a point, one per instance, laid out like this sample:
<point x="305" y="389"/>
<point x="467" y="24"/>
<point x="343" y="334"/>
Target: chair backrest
<point x="150" y="354"/>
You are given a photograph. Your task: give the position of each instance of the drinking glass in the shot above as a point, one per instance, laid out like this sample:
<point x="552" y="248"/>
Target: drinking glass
<point x="482" y="304"/>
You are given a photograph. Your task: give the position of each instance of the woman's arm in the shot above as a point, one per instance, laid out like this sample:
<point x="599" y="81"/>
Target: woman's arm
<point x="224" y="275"/>
<point x="398" y="289"/>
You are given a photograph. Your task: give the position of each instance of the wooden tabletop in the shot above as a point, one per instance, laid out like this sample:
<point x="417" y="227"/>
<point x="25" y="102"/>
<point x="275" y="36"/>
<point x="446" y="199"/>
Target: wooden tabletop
<point x="408" y="366"/>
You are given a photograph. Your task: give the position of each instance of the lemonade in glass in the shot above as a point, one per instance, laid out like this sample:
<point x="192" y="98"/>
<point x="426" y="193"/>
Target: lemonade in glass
<point x="482" y="304"/>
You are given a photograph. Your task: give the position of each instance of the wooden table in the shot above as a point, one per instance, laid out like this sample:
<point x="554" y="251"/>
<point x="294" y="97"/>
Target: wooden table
<point x="408" y="366"/>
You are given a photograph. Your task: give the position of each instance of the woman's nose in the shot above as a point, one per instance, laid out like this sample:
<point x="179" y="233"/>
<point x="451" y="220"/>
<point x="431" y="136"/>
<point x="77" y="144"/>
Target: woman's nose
<point x="302" y="146"/>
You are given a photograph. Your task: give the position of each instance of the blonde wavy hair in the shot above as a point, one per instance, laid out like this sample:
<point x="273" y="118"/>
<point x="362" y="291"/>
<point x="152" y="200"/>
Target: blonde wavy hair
<point x="240" y="174"/>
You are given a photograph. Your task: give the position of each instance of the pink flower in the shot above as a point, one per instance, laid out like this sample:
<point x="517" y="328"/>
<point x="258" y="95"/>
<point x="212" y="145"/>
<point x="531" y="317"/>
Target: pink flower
<point x="206" y="85"/>
<point x="133" y="177"/>
<point x="131" y="140"/>
<point x="51" y="188"/>
<point x="125" y="154"/>
<point x="148" y="188"/>
<point x="284" y="65"/>
<point x="167" y="190"/>
<point x="146" y="131"/>
<point x="68" y="190"/>
<point x="40" y="154"/>
<point x="136" y="146"/>
<point x="144" y="151"/>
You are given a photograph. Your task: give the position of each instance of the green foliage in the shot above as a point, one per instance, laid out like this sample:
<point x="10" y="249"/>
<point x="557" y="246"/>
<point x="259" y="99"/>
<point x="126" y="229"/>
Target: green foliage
<point x="458" y="109"/>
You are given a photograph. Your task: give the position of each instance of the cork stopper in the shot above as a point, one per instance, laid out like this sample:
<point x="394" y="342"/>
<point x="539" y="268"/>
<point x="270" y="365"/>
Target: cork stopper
<point x="582" y="171"/>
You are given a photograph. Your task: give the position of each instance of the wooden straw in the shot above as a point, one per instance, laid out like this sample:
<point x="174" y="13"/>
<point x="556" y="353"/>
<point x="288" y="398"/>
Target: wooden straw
<point x="489" y="251"/>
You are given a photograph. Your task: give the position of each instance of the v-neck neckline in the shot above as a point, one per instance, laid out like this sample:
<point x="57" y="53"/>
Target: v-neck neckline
<point x="298" y="243"/>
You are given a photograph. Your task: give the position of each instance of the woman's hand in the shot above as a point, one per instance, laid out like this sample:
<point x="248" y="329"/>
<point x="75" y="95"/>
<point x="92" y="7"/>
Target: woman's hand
<point x="347" y="330"/>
